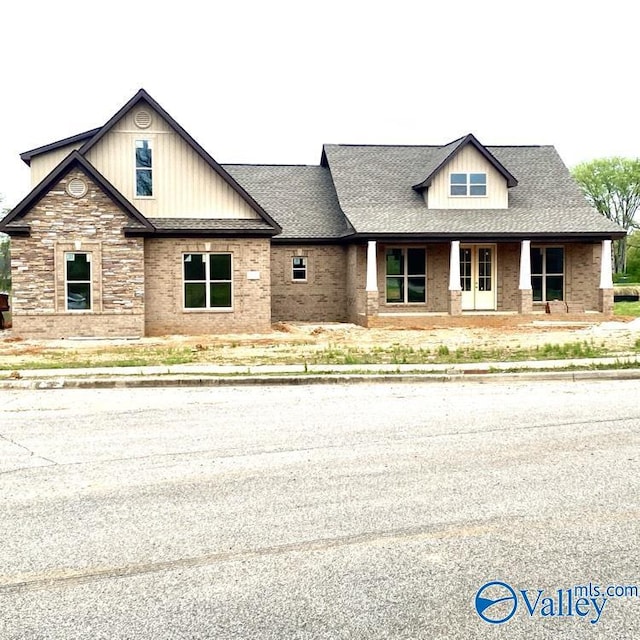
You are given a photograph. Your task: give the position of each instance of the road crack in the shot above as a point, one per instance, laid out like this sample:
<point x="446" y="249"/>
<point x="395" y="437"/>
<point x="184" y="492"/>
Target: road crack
<point x="31" y="452"/>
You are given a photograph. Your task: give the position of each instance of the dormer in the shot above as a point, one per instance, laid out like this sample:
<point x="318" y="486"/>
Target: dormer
<point x="465" y="175"/>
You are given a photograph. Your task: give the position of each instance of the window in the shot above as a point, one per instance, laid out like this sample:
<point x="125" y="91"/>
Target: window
<point x="406" y="275"/>
<point x="299" y="268"/>
<point x="207" y="280"/>
<point x="547" y="273"/>
<point x="468" y="184"/>
<point x="144" y="176"/>
<point x="77" y="277"/>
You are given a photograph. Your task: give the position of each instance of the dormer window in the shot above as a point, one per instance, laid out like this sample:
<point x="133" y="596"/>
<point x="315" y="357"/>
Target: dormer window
<point x="144" y="169"/>
<point x="468" y="184"/>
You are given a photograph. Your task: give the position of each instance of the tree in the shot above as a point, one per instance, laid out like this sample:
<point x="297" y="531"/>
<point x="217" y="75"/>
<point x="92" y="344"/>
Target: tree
<point x="5" y="257"/>
<point x="612" y="186"/>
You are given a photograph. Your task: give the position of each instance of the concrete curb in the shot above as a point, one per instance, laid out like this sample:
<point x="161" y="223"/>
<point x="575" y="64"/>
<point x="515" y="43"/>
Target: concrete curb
<point x="191" y="381"/>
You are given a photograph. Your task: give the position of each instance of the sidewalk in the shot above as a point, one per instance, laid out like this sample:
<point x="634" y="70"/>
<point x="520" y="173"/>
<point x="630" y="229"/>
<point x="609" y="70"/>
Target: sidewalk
<point x="215" y="375"/>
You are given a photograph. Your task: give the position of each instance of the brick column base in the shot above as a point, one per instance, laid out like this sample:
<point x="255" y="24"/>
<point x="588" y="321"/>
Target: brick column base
<point x="525" y="301"/>
<point x="455" y="303"/>
<point x="605" y="301"/>
<point x="373" y="301"/>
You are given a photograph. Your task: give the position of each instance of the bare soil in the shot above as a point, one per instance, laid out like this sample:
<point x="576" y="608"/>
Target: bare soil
<point x="301" y="342"/>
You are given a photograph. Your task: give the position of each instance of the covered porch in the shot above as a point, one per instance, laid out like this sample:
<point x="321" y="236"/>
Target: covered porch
<point x="420" y="282"/>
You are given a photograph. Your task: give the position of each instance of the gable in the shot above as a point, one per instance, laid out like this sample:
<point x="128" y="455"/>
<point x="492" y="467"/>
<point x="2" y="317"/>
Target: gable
<point x="44" y="163"/>
<point x="467" y="160"/>
<point x="55" y="188"/>
<point x="184" y="184"/>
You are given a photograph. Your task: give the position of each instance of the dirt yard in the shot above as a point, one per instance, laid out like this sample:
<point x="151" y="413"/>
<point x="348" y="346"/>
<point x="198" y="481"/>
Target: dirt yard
<point x="497" y="338"/>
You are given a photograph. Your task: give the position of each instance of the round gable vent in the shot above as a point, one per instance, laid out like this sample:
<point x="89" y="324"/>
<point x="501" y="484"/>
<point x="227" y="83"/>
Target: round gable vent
<point x="76" y="187"/>
<point x="142" y="119"/>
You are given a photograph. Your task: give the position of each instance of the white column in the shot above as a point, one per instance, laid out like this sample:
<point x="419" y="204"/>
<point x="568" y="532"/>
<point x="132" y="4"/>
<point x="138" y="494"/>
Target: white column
<point x="454" y="266"/>
<point x="606" y="271"/>
<point x="525" y="265"/>
<point x="372" y="270"/>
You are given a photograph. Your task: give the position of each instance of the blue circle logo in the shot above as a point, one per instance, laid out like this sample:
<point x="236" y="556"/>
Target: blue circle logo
<point x="496" y="602"/>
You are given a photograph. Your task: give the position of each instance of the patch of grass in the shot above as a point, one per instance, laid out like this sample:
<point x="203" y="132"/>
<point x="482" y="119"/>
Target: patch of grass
<point x="627" y="309"/>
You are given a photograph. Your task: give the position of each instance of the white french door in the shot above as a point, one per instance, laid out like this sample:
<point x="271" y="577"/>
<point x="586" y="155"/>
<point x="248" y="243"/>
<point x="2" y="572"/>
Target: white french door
<point x="478" y="277"/>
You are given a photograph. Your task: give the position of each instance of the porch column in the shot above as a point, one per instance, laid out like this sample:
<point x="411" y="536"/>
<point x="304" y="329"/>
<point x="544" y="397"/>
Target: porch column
<point x="455" y="290"/>
<point x="372" y="271"/>
<point x="606" y="279"/>
<point x="371" y="288"/>
<point x="525" y="292"/>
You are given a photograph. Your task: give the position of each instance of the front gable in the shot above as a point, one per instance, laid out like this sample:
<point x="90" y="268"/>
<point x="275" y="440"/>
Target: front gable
<point x="470" y="163"/>
<point x="72" y="185"/>
<point x="466" y="176"/>
<point x="181" y="183"/>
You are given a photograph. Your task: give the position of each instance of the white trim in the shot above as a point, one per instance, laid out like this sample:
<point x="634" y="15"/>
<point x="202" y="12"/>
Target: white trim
<point x="304" y="268"/>
<point x="372" y="270"/>
<point x="525" y="265"/>
<point x="606" y="268"/>
<point x="454" y="266"/>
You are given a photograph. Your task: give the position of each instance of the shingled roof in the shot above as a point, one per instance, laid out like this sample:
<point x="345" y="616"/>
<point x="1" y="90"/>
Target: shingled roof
<point x="374" y="190"/>
<point x="301" y="199"/>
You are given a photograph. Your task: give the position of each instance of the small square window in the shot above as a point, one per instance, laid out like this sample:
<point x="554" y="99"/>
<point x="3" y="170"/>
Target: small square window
<point x="299" y="268"/>
<point x="468" y="184"/>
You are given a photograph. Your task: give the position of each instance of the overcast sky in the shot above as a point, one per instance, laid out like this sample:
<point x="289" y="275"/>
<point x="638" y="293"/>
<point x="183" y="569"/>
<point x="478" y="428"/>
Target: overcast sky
<point x="271" y="81"/>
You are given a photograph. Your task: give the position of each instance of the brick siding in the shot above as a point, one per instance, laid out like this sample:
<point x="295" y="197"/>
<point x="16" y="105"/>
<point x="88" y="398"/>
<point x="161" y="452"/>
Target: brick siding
<point x="165" y="313"/>
<point x="322" y="297"/>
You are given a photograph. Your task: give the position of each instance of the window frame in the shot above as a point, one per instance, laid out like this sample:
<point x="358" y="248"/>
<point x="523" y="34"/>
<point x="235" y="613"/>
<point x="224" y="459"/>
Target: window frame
<point x="546" y="274"/>
<point x="88" y="282"/>
<point x="136" y="168"/>
<point x="303" y="269"/>
<point x="468" y="184"/>
<point x="405" y="275"/>
<point x="207" y="281"/>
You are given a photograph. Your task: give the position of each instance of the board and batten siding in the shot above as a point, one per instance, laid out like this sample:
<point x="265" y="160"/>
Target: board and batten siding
<point x="184" y="185"/>
<point x="468" y="160"/>
<point x="42" y="164"/>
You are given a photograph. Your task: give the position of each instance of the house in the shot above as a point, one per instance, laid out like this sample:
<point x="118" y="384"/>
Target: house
<point x="134" y="229"/>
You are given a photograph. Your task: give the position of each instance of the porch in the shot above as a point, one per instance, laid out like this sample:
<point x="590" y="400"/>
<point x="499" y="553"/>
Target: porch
<point x="463" y="282"/>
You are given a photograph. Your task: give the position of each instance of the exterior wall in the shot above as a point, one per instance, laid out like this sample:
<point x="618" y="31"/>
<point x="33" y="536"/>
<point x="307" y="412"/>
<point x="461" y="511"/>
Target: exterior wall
<point x="42" y="165"/>
<point x="322" y="297"/>
<point x="165" y="313"/>
<point x="468" y="160"/>
<point x="91" y="224"/>
<point x="582" y="274"/>
<point x="508" y="276"/>
<point x="356" y="300"/>
<point x="184" y="185"/>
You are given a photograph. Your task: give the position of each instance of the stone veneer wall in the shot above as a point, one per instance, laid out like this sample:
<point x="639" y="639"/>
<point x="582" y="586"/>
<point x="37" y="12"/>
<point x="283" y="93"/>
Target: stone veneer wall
<point x="92" y="224"/>
<point x="322" y="297"/>
<point x="165" y="313"/>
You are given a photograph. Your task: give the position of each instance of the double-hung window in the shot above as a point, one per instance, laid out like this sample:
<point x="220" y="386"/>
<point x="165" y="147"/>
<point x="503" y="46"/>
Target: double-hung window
<point x="299" y="268"/>
<point x="207" y="280"/>
<point x="406" y="275"/>
<point x="144" y="169"/>
<point x="77" y="281"/>
<point x="547" y="273"/>
<point x="468" y="184"/>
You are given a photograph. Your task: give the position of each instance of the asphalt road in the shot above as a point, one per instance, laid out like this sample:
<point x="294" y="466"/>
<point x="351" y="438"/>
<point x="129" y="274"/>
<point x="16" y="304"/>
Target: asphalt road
<point x="320" y="512"/>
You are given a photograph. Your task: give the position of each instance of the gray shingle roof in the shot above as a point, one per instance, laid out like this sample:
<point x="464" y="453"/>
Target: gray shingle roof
<point x="217" y="225"/>
<point x="373" y="184"/>
<point x="300" y="198"/>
